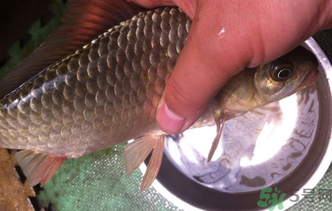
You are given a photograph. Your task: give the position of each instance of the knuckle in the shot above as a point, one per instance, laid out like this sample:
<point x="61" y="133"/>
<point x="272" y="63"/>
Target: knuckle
<point x="181" y="101"/>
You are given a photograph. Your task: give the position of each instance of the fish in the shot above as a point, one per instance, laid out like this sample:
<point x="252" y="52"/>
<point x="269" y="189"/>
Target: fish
<point x="97" y="81"/>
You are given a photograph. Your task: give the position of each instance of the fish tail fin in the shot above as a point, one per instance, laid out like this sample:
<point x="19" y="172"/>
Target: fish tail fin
<point x="137" y="151"/>
<point x="38" y="167"/>
<point x="220" y="120"/>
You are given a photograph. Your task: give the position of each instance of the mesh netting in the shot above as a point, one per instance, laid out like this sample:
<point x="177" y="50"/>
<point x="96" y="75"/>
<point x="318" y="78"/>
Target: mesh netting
<point x="97" y="181"/>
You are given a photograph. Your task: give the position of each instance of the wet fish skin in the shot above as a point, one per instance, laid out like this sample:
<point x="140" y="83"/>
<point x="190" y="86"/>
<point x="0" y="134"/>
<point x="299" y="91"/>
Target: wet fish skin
<point x="256" y="87"/>
<point x="106" y="93"/>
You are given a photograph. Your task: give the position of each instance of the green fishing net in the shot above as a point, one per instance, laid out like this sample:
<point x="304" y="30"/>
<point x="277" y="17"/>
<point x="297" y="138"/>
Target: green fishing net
<point x="93" y="182"/>
<point x="97" y="181"/>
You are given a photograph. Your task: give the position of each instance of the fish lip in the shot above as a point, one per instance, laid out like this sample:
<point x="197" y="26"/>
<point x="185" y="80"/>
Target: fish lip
<point x="309" y="79"/>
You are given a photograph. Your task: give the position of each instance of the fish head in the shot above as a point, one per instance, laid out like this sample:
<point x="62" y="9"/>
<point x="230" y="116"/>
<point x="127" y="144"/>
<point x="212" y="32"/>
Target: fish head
<point x="255" y="87"/>
<point x="286" y="75"/>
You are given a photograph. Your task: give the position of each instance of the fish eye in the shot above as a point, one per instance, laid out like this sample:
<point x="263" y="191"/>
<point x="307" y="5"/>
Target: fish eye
<point x="282" y="71"/>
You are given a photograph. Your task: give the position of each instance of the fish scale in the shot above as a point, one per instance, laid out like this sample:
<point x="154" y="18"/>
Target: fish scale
<point x="108" y="91"/>
<point x="101" y="95"/>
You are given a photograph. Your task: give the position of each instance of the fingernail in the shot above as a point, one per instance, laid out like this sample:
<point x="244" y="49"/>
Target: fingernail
<point x="169" y="121"/>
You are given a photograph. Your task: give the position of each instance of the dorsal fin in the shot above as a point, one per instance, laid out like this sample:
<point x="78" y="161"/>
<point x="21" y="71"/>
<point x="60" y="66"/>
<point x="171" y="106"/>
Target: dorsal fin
<point x="82" y="21"/>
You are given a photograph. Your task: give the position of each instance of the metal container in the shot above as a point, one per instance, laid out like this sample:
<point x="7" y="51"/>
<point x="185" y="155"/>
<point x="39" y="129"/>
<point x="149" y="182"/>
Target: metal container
<point x="285" y="145"/>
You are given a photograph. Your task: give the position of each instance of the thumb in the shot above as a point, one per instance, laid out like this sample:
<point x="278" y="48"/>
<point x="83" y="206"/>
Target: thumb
<point x="201" y="70"/>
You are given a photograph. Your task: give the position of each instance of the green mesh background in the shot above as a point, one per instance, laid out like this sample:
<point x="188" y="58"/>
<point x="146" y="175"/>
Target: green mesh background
<point x="38" y="32"/>
<point x="316" y="201"/>
<point x="97" y="181"/>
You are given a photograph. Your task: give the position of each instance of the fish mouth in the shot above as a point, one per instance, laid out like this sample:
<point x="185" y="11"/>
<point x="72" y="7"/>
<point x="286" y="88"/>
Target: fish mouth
<point x="309" y="79"/>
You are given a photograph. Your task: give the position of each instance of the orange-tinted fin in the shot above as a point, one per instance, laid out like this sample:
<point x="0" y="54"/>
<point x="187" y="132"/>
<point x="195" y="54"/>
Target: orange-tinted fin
<point x="220" y="120"/>
<point x="82" y="21"/>
<point x="137" y="151"/>
<point x="38" y="167"/>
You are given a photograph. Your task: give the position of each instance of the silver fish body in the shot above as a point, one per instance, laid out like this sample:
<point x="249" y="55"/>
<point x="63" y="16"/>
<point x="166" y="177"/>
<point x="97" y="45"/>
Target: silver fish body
<point x="108" y="91"/>
<point x="103" y="94"/>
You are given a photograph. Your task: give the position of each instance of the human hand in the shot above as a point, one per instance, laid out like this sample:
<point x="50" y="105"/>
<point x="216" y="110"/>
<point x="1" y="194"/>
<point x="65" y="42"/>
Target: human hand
<point x="225" y="37"/>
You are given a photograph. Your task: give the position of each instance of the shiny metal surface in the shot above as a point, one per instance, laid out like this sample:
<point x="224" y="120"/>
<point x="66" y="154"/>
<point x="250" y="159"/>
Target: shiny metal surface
<point x="257" y="149"/>
<point x="285" y="144"/>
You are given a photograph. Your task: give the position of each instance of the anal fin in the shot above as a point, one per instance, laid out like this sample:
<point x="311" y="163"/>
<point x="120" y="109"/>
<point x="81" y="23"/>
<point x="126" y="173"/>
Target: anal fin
<point x="136" y="152"/>
<point x="38" y="167"/>
<point x="220" y="120"/>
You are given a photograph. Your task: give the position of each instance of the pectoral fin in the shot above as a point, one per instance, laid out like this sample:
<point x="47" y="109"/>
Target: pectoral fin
<point x="220" y="120"/>
<point x="137" y="151"/>
<point x="38" y="167"/>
